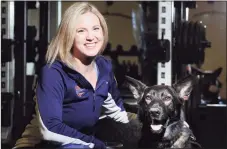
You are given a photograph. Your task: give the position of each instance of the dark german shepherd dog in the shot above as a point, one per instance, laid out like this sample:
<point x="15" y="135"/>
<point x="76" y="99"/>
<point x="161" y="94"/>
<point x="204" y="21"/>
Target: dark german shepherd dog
<point x="160" y="110"/>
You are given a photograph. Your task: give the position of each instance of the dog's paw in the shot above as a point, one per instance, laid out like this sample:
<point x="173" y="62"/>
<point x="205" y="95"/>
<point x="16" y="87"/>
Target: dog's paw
<point x="177" y="146"/>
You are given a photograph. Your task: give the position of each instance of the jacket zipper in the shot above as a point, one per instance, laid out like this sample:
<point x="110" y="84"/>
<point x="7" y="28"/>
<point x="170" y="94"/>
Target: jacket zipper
<point x="94" y="94"/>
<point x="94" y="101"/>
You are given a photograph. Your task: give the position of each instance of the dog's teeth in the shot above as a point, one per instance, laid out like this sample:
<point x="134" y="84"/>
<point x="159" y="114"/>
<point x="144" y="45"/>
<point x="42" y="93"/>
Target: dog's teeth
<point x="156" y="127"/>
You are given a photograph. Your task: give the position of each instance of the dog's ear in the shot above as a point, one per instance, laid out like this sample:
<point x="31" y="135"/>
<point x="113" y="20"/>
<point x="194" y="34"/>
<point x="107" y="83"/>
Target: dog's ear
<point x="196" y="71"/>
<point x="136" y="87"/>
<point x="216" y="73"/>
<point x="209" y="74"/>
<point x="184" y="87"/>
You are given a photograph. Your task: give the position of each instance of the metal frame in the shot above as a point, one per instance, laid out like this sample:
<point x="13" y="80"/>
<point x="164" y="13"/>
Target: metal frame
<point x="54" y="15"/>
<point x="165" y="8"/>
<point x="8" y="33"/>
<point x="50" y="15"/>
<point x="8" y="71"/>
<point x="55" y="8"/>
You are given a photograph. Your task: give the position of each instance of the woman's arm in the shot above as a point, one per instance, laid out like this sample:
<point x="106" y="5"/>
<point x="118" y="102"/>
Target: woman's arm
<point x="113" y="105"/>
<point x="49" y="97"/>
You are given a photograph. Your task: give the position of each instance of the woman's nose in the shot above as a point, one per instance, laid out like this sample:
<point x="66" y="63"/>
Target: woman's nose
<point x="90" y="36"/>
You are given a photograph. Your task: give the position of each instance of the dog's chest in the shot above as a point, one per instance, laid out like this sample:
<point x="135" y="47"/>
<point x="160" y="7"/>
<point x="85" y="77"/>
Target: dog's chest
<point x="153" y="140"/>
<point x="164" y="139"/>
<point x="173" y="131"/>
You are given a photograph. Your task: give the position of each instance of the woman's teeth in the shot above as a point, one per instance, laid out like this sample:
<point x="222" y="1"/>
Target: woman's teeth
<point x="90" y="45"/>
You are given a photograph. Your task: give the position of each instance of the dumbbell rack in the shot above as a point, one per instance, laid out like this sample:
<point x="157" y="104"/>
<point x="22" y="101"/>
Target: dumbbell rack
<point x="8" y="73"/>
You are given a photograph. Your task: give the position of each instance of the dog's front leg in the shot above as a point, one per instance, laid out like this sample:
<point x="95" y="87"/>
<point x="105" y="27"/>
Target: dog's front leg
<point x="182" y="140"/>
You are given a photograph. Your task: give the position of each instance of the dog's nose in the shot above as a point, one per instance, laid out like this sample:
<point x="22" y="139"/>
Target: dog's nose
<point x="155" y="112"/>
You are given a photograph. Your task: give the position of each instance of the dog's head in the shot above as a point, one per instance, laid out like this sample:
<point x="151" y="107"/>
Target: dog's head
<point x="159" y="103"/>
<point x="208" y="81"/>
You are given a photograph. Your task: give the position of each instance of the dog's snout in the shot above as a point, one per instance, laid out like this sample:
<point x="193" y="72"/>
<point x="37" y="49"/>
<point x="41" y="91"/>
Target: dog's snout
<point x="155" y="111"/>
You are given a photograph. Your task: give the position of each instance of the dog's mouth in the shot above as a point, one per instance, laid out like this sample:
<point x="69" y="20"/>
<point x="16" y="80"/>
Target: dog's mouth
<point x="157" y="126"/>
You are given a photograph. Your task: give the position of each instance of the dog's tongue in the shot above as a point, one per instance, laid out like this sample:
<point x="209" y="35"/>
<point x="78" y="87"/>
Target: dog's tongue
<point x="156" y="127"/>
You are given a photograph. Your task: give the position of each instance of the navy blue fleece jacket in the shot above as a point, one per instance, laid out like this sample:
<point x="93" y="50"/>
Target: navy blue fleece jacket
<point x="67" y="106"/>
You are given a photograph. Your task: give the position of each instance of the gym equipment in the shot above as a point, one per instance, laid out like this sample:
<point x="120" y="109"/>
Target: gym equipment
<point x="7" y="72"/>
<point x="6" y="50"/>
<point x="19" y="50"/>
<point x="158" y="50"/>
<point x="6" y="109"/>
<point x="31" y="44"/>
<point x="190" y="42"/>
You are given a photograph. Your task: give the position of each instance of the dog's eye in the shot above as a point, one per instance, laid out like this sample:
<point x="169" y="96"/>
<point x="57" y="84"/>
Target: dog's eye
<point x="148" y="98"/>
<point x="167" y="98"/>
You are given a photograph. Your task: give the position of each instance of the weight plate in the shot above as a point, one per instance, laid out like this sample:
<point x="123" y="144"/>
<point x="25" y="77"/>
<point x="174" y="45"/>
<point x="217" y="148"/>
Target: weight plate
<point x="185" y="47"/>
<point x="190" y="48"/>
<point x="180" y="35"/>
<point x="178" y="40"/>
<point x="177" y="37"/>
<point x="197" y="41"/>
<point x="182" y="48"/>
<point x="194" y="39"/>
<point x="199" y="36"/>
<point x="191" y="34"/>
<point x="203" y="34"/>
<point x="185" y="36"/>
<point x="202" y="46"/>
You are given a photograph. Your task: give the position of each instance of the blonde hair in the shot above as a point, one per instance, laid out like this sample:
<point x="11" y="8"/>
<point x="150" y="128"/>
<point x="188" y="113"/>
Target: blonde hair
<point x="61" y="45"/>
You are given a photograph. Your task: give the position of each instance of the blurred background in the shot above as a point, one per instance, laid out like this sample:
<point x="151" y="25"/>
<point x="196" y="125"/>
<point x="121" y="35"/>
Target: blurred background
<point x="194" y="42"/>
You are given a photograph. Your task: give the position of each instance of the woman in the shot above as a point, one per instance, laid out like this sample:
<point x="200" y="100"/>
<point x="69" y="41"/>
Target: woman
<point x="75" y="86"/>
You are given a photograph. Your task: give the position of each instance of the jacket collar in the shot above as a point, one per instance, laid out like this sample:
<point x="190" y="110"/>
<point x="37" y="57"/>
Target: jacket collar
<point x="75" y="75"/>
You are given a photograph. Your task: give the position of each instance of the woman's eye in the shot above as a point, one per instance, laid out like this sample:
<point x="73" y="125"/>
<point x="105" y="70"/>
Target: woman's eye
<point x="80" y="31"/>
<point x="96" y="28"/>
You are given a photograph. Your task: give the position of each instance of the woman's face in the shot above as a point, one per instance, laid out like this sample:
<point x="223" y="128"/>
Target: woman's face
<point x="89" y="36"/>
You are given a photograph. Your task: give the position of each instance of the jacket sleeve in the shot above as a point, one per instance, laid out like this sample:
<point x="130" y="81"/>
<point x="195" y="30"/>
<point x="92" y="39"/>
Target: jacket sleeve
<point x="114" y="91"/>
<point x="113" y="105"/>
<point x="49" y="97"/>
